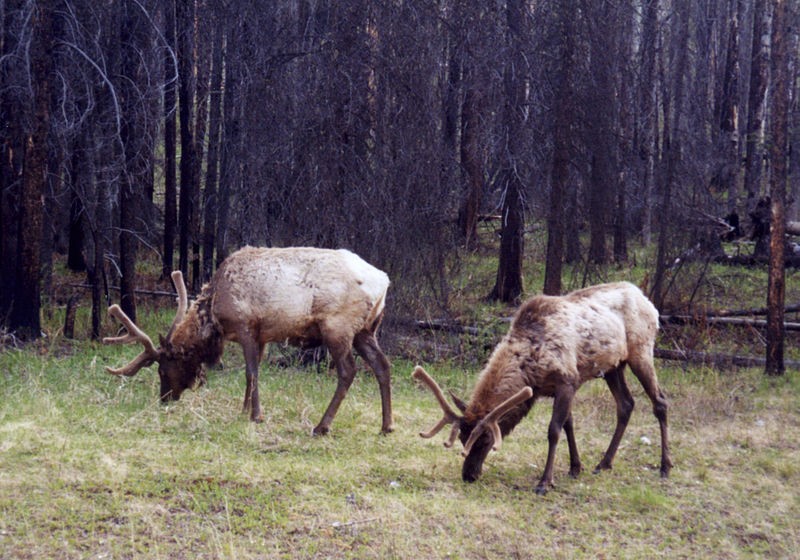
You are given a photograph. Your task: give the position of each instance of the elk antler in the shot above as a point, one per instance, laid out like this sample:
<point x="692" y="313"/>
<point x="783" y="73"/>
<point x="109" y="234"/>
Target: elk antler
<point x="183" y="300"/>
<point x="489" y="421"/>
<point x="134" y="334"/>
<point x="450" y="416"/>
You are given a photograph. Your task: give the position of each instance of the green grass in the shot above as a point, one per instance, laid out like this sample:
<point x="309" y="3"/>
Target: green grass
<point x="92" y="466"/>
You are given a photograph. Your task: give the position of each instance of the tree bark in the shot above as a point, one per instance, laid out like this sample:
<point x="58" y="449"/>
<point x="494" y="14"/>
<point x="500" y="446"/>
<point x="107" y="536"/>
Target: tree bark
<point x="779" y="127"/>
<point x="647" y="118"/>
<point x="185" y="33"/>
<point x="11" y="160"/>
<point x="471" y="163"/>
<point x="212" y="160"/>
<point x="170" y="149"/>
<point x="562" y="152"/>
<point x="672" y="149"/>
<point x="508" y="285"/>
<point x="132" y="134"/>
<point x="759" y="59"/>
<point x="25" y="320"/>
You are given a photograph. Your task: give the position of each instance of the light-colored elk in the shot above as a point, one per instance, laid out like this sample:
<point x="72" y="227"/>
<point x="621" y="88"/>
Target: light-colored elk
<point x="303" y="296"/>
<point x="554" y="345"/>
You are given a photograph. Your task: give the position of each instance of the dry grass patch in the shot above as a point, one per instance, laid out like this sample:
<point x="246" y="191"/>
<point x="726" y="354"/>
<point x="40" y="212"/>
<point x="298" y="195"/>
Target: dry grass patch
<point x="94" y="467"/>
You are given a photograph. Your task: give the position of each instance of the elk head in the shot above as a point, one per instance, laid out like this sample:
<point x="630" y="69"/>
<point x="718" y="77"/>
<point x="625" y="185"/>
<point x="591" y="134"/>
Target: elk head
<point x="477" y="435"/>
<point x="176" y="371"/>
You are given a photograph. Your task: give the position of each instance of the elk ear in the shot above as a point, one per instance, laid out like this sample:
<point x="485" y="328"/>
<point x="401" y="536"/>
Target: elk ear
<point x="462" y="406"/>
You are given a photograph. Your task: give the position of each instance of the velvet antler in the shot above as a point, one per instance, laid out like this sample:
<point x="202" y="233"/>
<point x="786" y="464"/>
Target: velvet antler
<point x="450" y="416"/>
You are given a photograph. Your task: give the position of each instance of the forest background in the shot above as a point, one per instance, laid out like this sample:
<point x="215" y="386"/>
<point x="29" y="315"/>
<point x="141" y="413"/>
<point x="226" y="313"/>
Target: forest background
<point x="174" y="132"/>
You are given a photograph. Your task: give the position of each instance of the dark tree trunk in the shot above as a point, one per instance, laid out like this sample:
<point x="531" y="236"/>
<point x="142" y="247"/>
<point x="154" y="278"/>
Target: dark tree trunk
<point x="603" y="28"/>
<point x="624" y="77"/>
<point x="231" y="138"/>
<point x="647" y="120"/>
<point x="11" y="150"/>
<point x="170" y="125"/>
<point x="759" y="59"/>
<point x="779" y="127"/>
<point x="471" y="162"/>
<point x="132" y="134"/>
<point x="212" y="177"/>
<point x="25" y="319"/>
<point x="451" y="106"/>
<point x="508" y="285"/>
<point x="728" y="115"/>
<point x="562" y="152"/>
<point x="75" y="260"/>
<point x="203" y="54"/>
<point x="672" y="150"/>
<point x="185" y="34"/>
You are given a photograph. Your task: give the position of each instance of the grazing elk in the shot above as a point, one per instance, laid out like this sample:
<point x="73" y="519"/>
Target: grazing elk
<point x="554" y="345"/>
<point x="303" y="296"/>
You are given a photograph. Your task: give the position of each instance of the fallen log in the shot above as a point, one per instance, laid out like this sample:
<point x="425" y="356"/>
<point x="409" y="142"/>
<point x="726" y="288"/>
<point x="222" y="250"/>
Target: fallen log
<point x="712" y="320"/>
<point x="746" y="312"/>
<point x="155" y="293"/>
<point x="446" y="326"/>
<point x="717" y="361"/>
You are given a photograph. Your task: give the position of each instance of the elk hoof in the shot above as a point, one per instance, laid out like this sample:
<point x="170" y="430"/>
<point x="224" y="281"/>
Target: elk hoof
<point x="321" y="431"/>
<point x="257" y="419"/>
<point x="601" y="467"/>
<point x="541" y="489"/>
<point x="387" y="430"/>
<point x="575" y="471"/>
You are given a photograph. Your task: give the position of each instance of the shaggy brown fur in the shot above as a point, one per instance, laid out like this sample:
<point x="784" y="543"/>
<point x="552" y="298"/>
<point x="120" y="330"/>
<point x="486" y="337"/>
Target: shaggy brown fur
<point x="554" y="345"/>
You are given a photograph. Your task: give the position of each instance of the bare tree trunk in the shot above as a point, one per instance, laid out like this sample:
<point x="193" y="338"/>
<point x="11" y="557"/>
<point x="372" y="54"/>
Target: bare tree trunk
<point x="11" y="161"/>
<point x="603" y="29"/>
<point x="508" y="285"/>
<point x="729" y="113"/>
<point x="779" y="127"/>
<point x="24" y="318"/>
<point x="755" y="105"/>
<point x="672" y="148"/>
<point x="132" y="133"/>
<point x="170" y="151"/>
<point x="203" y="53"/>
<point x="471" y="162"/>
<point x="647" y="119"/>
<point x="562" y="152"/>
<point x="212" y="166"/>
<point x="231" y="138"/>
<point x="625" y="126"/>
<point x="185" y="32"/>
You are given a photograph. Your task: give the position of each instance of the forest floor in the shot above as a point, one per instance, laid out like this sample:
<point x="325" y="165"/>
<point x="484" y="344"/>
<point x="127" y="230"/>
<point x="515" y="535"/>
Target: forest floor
<point x="93" y="466"/>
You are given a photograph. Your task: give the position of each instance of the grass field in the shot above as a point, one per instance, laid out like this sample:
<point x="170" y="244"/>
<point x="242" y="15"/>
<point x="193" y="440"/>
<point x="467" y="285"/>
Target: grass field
<point x="92" y="466"/>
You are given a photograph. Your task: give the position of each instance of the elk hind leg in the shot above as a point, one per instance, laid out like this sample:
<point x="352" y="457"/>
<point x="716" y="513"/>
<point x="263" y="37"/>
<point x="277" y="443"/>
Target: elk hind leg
<point x="645" y="371"/>
<point x="252" y="357"/>
<point x="367" y="346"/>
<point x="615" y="379"/>
<point x="342" y="356"/>
<point x="574" y="457"/>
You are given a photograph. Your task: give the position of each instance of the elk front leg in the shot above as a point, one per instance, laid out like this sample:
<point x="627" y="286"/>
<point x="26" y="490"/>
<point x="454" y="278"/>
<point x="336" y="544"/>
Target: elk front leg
<point x="562" y="406"/>
<point x="252" y="358"/>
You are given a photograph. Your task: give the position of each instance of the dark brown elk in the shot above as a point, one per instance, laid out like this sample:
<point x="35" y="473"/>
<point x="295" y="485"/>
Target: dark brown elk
<point x="303" y="296"/>
<point x="556" y="344"/>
